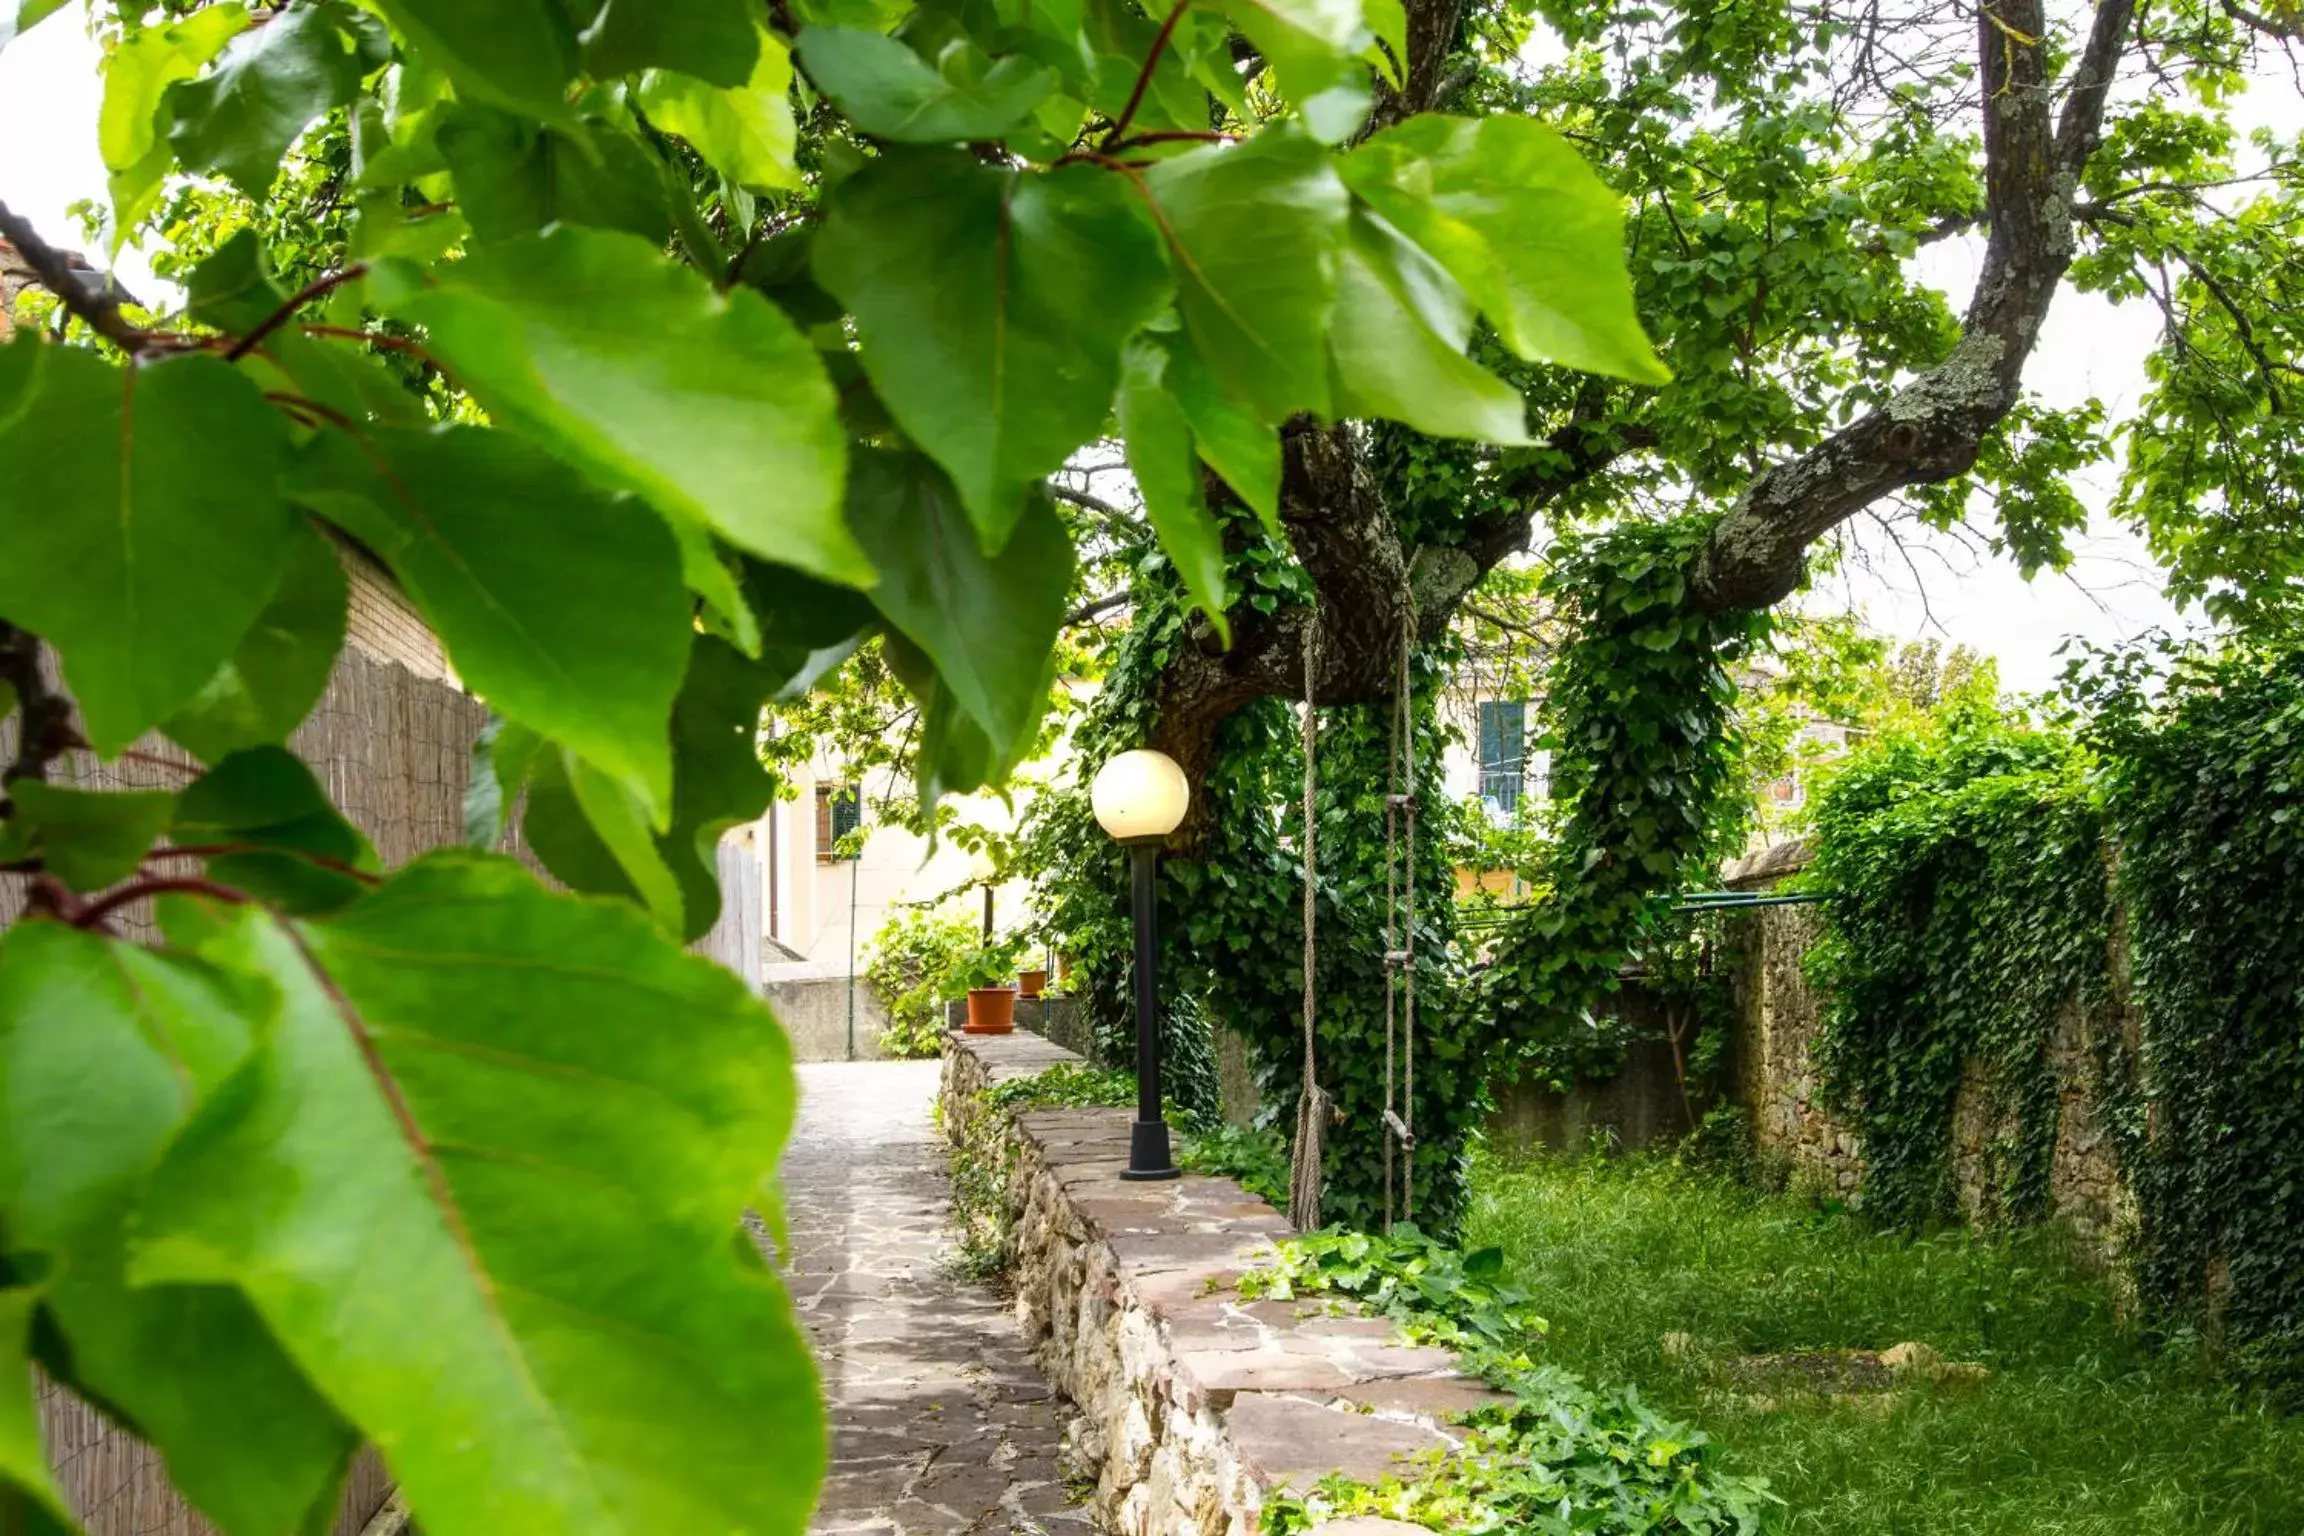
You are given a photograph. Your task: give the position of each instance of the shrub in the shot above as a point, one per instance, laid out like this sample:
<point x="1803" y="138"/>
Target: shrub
<point x="911" y="963"/>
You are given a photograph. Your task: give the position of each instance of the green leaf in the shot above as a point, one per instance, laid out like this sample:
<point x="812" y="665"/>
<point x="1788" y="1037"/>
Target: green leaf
<point x="267" y="88"/>
<point x="1401" y="328"/>
<point x="30" y="1501"/>
<point x="715" y="40"/>
<point x="710" y="405"/>
<point x="233" y="290"/>
<point x="992" y="307"/>
<point x="106" y="1049"/>
<point x="161" y="532"/>
<point x="593" y="835"/>
<point x="132" y="125"/>
<point x="1311" y="44"/>
<point x="989" y="622"/>
<point x="501" y="755"/>
<point x="560" y="605"/>
<point x="1253" y="231"/>
<point x="517" y="54"/>
<point x="560" y="1206"/>
<point x="85" y="838"/>
<point x="514" y="177"/>
<point x="889" y="92"/>
<point x="745" y="132"/>
<point x="1532" y="234"/>
<point x="1158" y="438"/>
<point x="280" y="668"/>
<point x="18" y="17"/>
<point x="1245" y="451"/>
<point x="302" y="856"/>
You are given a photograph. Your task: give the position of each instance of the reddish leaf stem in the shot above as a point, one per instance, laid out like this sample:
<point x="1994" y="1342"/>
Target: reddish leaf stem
<point x="232" y="850"/>
<point x="1175" y="136"/>
<point x="1144" y="75"/>
<point x="317" y="288"/>
<point x="156" y="885"/>
<point x="373" y="338"/>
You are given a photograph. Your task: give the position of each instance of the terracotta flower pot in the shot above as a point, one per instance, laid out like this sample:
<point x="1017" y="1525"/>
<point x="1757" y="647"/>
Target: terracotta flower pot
<point x="991" y="1010"/>
<point x="1031" y="983"/>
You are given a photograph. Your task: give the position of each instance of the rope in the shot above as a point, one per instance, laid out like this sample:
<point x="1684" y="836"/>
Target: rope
<point x="1312" y="1106"/>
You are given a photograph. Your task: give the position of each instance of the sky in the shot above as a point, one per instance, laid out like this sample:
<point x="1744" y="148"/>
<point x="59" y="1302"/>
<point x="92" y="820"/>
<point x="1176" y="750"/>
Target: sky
<point x="49" y="95"/>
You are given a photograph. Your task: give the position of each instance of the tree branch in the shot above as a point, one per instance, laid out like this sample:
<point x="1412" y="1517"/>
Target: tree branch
<point x="44" y="727"/>
<point x="98" y="306"/>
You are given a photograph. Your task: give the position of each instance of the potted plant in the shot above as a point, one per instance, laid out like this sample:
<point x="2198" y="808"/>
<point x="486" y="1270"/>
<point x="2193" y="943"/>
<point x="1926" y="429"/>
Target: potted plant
<point x="985" y="974"/>
<point x="1033" y="982"/>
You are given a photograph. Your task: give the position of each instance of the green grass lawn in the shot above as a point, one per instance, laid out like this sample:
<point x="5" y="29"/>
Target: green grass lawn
<point x="2079" y="1430"/>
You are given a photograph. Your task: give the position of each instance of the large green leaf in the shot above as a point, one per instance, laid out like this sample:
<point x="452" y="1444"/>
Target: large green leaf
<point x="711" y="405"/>
<point x="86" y="838"/>
<point x="515" y="177"/>
<point x="715" y="40"/>
<point x="289" y="845"/>
<point x="1158" y="440"/>
<point x="132" y="125"/>
<point x="1402" y="326"/>
<point x="519" y="54"/>
<point x="106" y="1049"/>
<point x="1253" y="231"/>
<point x="989" y="622"/>
<point x="559" y="604"/>
<point x="267" y="88"/>
<point x="1535" y="237"/>
<point x="1312" y="45"/>
<point x="594" y="836"/>
<point x="30" y="1501"/>
<point x="992" y="307"/>
<point x="889" y="92"/>
<point x="153" y="531"/>
<point x="744" y="131"/>
<point x="280" y="668"/>
<point x="510" y="1247"/>
<point x="1245" y="451"/>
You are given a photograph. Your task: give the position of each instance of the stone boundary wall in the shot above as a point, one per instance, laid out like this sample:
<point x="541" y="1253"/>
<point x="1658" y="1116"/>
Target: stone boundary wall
<point x="1195" y="1405"/>
<point x="1779" y="1018"/>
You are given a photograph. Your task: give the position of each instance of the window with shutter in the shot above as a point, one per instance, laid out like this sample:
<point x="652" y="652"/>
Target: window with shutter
<point x="1503" y="753"/>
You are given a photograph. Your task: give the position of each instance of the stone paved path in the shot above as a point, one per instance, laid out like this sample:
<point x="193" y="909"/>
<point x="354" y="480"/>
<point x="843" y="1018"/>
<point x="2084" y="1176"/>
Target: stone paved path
<point x="941" y="1424"/>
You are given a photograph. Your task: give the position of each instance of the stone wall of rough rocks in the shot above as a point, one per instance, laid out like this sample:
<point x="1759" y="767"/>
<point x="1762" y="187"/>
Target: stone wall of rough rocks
<point x="1779" y="1019"/>
<point x="1194" y="1403"/>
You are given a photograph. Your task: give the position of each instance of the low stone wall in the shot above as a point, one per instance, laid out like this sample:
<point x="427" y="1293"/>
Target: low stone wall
<point x="1195" y="1405"/>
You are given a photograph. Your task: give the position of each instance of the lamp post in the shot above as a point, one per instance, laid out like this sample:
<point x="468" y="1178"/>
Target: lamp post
<point x="1139" y="799"/>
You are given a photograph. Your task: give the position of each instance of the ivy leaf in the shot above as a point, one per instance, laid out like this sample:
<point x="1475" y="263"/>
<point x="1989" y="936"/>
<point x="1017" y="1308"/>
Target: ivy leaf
<point x="1252" y="231"/>
<point x="18" y="17"/>
<point x="992" y="308"/>
<point x="1533" y="235"/>
<point x="515" y="177"/>
<point x="560" y="1205"/>
<point x="559" y="604"/>
<point x="1245" y="451"/>
<point x="85" y="838"/>
<point x="889" y="92"/>
<point x="132" y="124"/>
<point x="710" y="405"/>
<point x="267" y="88"/>
<point x="714" y="40"/>
<point x="30" y="1501"/>
<point x="280" y="668"/>
<point x="233" y="290"/>
<point x="989" y="622"/>
<point x="745" y="131"/>
<point x="106" y="1049"/>
<point x="301" y="856"/>
<point x="1158" y="438"/>
<point x="516" y="54"/>
<point x="1401" y="328"/>
<point x="161" y="532"/>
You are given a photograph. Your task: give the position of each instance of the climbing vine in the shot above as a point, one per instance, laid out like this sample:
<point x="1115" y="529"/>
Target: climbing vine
<point x="2204" y="784"/>
<point x="1639" y="722"/>
<point x="1970" y="912"/>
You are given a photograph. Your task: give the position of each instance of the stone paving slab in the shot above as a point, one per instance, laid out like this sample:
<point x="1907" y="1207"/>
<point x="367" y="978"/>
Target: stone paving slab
<point x="941" y="1424"/>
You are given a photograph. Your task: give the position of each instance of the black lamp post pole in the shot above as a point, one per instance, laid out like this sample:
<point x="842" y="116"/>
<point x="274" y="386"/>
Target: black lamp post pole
<point x="1148" y="1155"/>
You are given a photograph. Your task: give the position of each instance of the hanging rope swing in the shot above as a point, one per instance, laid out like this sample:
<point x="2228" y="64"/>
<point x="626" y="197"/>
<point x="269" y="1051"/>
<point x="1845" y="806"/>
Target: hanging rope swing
<point x="1314" y="1109"/>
